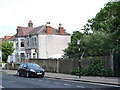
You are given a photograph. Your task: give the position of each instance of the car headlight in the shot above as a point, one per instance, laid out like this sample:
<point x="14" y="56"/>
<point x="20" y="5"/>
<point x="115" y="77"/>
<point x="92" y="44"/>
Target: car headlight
<point x="32" y="70"/>
<point x="43" y="70"/>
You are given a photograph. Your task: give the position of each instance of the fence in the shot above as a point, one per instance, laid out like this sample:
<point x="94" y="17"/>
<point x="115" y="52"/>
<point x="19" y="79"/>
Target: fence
<point x="68" y="65"/>
<point x="116" y="61"/>
<point x="63" y="65"/>
<point x="56" y="65"/>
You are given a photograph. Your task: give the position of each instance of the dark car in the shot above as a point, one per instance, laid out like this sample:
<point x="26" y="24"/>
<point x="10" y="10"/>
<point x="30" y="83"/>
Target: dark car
<point x="30" y="69"/>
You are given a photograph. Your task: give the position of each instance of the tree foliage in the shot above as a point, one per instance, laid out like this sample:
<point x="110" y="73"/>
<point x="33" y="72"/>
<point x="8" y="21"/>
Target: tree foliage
<point x="7" y="49"/>
<point x="105" y="36"/>
<point x="93" y="44"/>
<point x="97" y="44"/>
<point x="72" y="51"/>
<point x="108" y="21"/>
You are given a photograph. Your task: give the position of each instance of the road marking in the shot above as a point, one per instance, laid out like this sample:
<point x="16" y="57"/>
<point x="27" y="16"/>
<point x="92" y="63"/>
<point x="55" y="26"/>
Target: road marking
<point x="56" y="82"/>
<point x="40" y="80"/>
<point x="1" y="87"/>
<point x="27" y="78"/>
<point x="47" y="81"/>
<point x="51" y="78"/>
<point x="12" y="81"/>
<point x="94" y="83"/>
<point x="67" y="84"/>
<point x="33" y="79"/>
<point x="80" y="86"/>
<point x="22" y="77"/>
<point x="102" y="84"/>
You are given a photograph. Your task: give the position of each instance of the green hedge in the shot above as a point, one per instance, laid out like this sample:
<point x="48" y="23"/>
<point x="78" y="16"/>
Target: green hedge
<point x="95" y="69"/>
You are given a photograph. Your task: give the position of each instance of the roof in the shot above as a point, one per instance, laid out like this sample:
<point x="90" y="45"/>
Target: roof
<point x="41" y="30"/>
<point x="36" y="30"/>
<point x="6" y="38"/>
<point x="22" y="31"/>
<point x="12" y="37"/>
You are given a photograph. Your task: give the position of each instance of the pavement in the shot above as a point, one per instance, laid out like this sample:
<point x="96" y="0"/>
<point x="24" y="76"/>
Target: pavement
<point x="92" y="79"/>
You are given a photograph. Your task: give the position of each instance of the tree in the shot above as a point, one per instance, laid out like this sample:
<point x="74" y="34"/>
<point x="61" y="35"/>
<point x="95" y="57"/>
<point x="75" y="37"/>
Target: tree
<point x="7" y="49"/>
<point x="92" y="44"/>
<point x="72" y="50"/>
<point x="108" y="21"/>
<point x="105" y="36"/>
<point x="97" y="44"/>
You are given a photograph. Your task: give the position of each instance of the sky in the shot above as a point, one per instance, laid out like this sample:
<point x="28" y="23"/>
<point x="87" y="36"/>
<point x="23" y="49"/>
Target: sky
<point x="72" y="14"/>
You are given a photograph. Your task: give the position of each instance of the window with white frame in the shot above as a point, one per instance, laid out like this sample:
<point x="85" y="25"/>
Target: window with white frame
<point x="34" y="55"/>
<point x="22" y="55"/>
<point x="22" y="42"/>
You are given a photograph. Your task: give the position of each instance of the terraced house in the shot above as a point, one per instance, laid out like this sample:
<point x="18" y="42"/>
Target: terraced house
<point x="39" y="42"/>
<point x="18" y="39"/>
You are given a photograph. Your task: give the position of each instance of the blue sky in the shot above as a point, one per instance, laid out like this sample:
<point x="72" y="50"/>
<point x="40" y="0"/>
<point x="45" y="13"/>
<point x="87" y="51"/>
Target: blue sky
<point x="73" y="14"/>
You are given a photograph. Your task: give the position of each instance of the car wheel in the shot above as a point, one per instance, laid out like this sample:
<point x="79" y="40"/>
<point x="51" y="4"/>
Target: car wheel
<point x="42" y="76"/>
<point x="18" y="73"/>
<point x="27" y="74"/>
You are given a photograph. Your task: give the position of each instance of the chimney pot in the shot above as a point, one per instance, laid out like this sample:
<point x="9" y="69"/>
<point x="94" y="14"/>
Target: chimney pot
<point x="18" y="26"/>
<point x="30" y="21"/>
<point x="48" y="28"/>
<point x="48" y="24"/>
<point x="60" y="24"/>
<point x="61" y="29"/>
<point x="30" y="24"/>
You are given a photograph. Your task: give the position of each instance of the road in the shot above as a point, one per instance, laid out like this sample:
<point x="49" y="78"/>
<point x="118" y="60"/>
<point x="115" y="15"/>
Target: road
<point x="13" y="81"/>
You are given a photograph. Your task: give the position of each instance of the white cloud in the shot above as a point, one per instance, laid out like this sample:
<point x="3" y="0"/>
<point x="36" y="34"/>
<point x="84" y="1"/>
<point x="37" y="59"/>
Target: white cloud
<point x="73" y="14"/>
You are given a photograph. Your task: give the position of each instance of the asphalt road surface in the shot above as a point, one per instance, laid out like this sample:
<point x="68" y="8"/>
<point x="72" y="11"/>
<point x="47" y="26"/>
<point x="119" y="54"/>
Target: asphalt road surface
<point x="14" y="81"/>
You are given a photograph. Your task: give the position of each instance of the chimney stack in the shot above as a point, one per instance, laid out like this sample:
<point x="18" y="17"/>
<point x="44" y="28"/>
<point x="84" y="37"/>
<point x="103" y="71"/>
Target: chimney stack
<point x="18" y="28"/>
<point x="48" y="28"/>
<point x="61" y="29"/>
<point x="30" y="24"/>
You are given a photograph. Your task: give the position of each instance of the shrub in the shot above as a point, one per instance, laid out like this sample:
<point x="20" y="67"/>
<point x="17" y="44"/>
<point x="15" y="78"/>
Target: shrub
<point x="76" y="71"/>
<point x="98" y="69"/>
<point x="95" y="69"/>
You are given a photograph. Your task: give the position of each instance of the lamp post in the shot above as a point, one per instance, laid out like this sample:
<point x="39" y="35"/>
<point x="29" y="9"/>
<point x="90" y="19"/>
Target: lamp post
<point x="78" y="43"/>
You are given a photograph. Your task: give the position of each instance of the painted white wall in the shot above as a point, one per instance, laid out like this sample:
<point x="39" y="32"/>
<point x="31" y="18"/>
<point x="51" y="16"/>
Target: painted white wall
<point x="33" y="52"/>
<point x="18" y="50"/>
<point x="52" y="44"/>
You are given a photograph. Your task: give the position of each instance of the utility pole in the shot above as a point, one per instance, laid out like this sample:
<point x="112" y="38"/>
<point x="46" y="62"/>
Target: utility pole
<point x="78" y="43"/>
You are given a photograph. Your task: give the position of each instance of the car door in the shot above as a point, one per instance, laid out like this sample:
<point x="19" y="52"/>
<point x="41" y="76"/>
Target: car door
<point x="24" y="69"/>
<point x="20" y="69"/>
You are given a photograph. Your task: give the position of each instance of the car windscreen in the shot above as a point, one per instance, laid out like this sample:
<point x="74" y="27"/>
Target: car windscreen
<point x="33" y="65"/>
